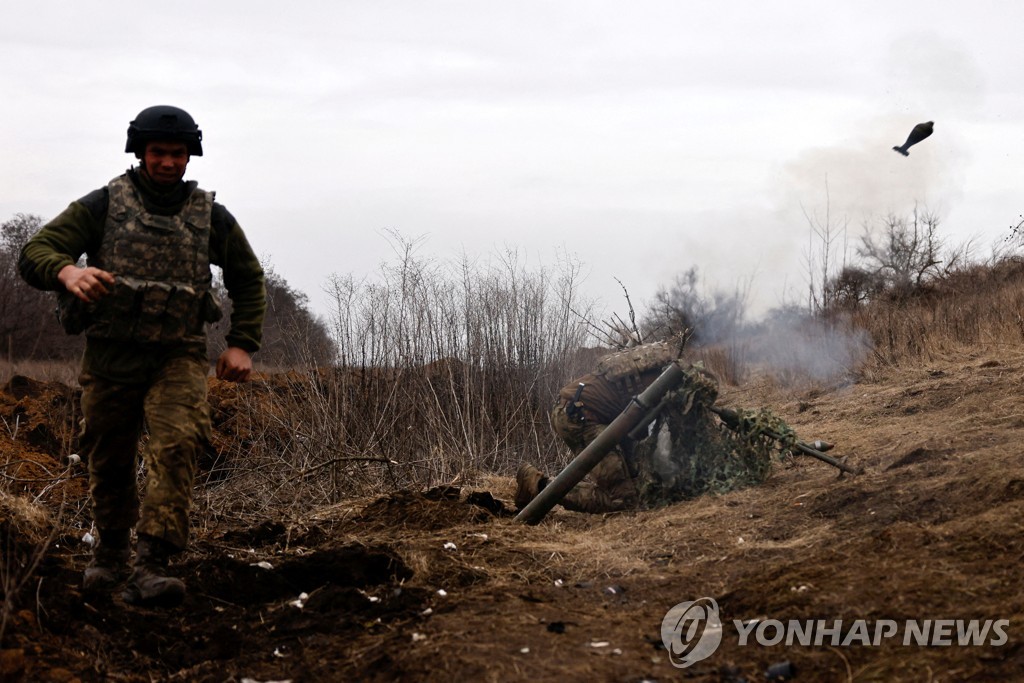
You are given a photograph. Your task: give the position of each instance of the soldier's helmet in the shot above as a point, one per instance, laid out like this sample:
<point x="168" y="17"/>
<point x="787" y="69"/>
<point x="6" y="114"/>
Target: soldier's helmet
<point x="165" y="123"/>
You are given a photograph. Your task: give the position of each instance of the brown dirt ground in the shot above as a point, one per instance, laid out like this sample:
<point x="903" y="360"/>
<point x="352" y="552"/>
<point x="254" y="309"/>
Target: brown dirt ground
<point x="443" y="585"/>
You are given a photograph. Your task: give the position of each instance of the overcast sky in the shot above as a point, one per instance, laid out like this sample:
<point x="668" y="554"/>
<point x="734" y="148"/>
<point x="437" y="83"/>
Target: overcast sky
<point x="643" y="138"/>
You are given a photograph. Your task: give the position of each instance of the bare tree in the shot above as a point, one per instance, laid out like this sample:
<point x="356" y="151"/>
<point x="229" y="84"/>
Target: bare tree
<point x="905" y="252"/>
<point x="826" y="252"/>
<point x="675" y="307"/>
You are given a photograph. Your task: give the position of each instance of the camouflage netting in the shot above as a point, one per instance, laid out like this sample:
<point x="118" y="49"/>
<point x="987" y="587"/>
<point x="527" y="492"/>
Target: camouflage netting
<point x="638" y="360"/>
<point x="691" y="452"/>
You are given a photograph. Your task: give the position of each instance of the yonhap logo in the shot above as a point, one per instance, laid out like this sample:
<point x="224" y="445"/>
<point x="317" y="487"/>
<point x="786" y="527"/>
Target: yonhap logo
<point x="691" y="631"/>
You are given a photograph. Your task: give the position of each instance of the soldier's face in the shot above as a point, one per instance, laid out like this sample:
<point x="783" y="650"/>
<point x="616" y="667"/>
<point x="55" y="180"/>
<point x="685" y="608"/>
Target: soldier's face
<point x="165" y="162"/>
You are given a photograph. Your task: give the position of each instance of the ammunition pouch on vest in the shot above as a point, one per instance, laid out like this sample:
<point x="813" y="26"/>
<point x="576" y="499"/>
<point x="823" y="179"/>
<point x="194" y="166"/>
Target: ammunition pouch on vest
<point x="72" y="313"/>
<point x="161" y="292"/>
<point x="148" y="311"/>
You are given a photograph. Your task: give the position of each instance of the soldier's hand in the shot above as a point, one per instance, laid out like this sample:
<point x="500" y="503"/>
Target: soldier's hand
<point x="88" y="284"/>
<point x="234" y="365"/>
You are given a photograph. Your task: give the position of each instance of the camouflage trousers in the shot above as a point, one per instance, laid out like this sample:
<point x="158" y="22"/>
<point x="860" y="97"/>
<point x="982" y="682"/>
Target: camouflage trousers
<point x="173" y="409"/>
<point x="609" y="486"/>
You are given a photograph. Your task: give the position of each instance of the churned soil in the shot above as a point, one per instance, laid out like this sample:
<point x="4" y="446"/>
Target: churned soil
<point x="443" y="585"/>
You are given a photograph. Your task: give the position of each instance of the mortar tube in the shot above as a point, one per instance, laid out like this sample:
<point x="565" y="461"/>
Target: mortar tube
<point x="597" y="449"/>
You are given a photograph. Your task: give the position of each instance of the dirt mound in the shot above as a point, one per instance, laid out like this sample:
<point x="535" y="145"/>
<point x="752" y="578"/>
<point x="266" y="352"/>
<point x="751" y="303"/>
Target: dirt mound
<point x="243" y="582"/>
<point x="38" y="432"/>
<point x="438" y="508"/>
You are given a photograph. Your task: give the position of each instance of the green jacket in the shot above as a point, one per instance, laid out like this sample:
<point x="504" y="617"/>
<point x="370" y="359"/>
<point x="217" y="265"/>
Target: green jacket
<point x="78" y="230"/>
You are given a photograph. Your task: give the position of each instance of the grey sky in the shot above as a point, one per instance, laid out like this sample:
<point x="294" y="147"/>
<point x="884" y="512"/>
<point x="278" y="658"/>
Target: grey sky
<point x="643" y="137"/>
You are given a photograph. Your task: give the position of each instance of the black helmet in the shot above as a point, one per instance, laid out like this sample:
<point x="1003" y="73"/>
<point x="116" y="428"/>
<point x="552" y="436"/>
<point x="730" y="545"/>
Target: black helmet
<point x="163" y="122"/>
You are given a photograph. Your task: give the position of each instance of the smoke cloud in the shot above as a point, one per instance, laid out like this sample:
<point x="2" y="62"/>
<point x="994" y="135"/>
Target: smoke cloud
<point x="810" y="348"/>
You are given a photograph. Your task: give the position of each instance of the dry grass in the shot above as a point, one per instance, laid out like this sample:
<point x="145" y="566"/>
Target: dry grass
<point x="31" y="520"/>
<point x="979" y="307"/>
<point x="63" y="371"/>
<point x="26" y="531"/>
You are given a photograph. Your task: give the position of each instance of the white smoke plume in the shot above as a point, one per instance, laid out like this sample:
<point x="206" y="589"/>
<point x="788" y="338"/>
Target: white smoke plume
<point x="794" y="348"/>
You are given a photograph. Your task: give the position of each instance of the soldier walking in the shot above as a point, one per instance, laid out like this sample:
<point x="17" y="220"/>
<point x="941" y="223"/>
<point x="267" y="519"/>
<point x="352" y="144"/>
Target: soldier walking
<point x="143" y="300"/>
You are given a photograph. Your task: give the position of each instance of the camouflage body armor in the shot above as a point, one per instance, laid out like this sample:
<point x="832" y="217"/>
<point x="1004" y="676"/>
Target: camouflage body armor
<point x="162" y="269"/>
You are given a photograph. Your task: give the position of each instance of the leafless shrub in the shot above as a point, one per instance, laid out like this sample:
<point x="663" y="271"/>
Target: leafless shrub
<point x="444" y="370"/>
<point x="712" y="318"/>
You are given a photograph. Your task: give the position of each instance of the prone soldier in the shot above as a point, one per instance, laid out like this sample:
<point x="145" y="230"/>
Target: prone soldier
<point x="586" y="407"/>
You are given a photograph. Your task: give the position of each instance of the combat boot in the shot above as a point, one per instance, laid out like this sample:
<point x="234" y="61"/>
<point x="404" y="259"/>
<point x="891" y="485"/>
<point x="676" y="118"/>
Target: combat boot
<point x="529" y="482"/>
<point x="109" y="565"/>
<point x="149" y="584"/>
